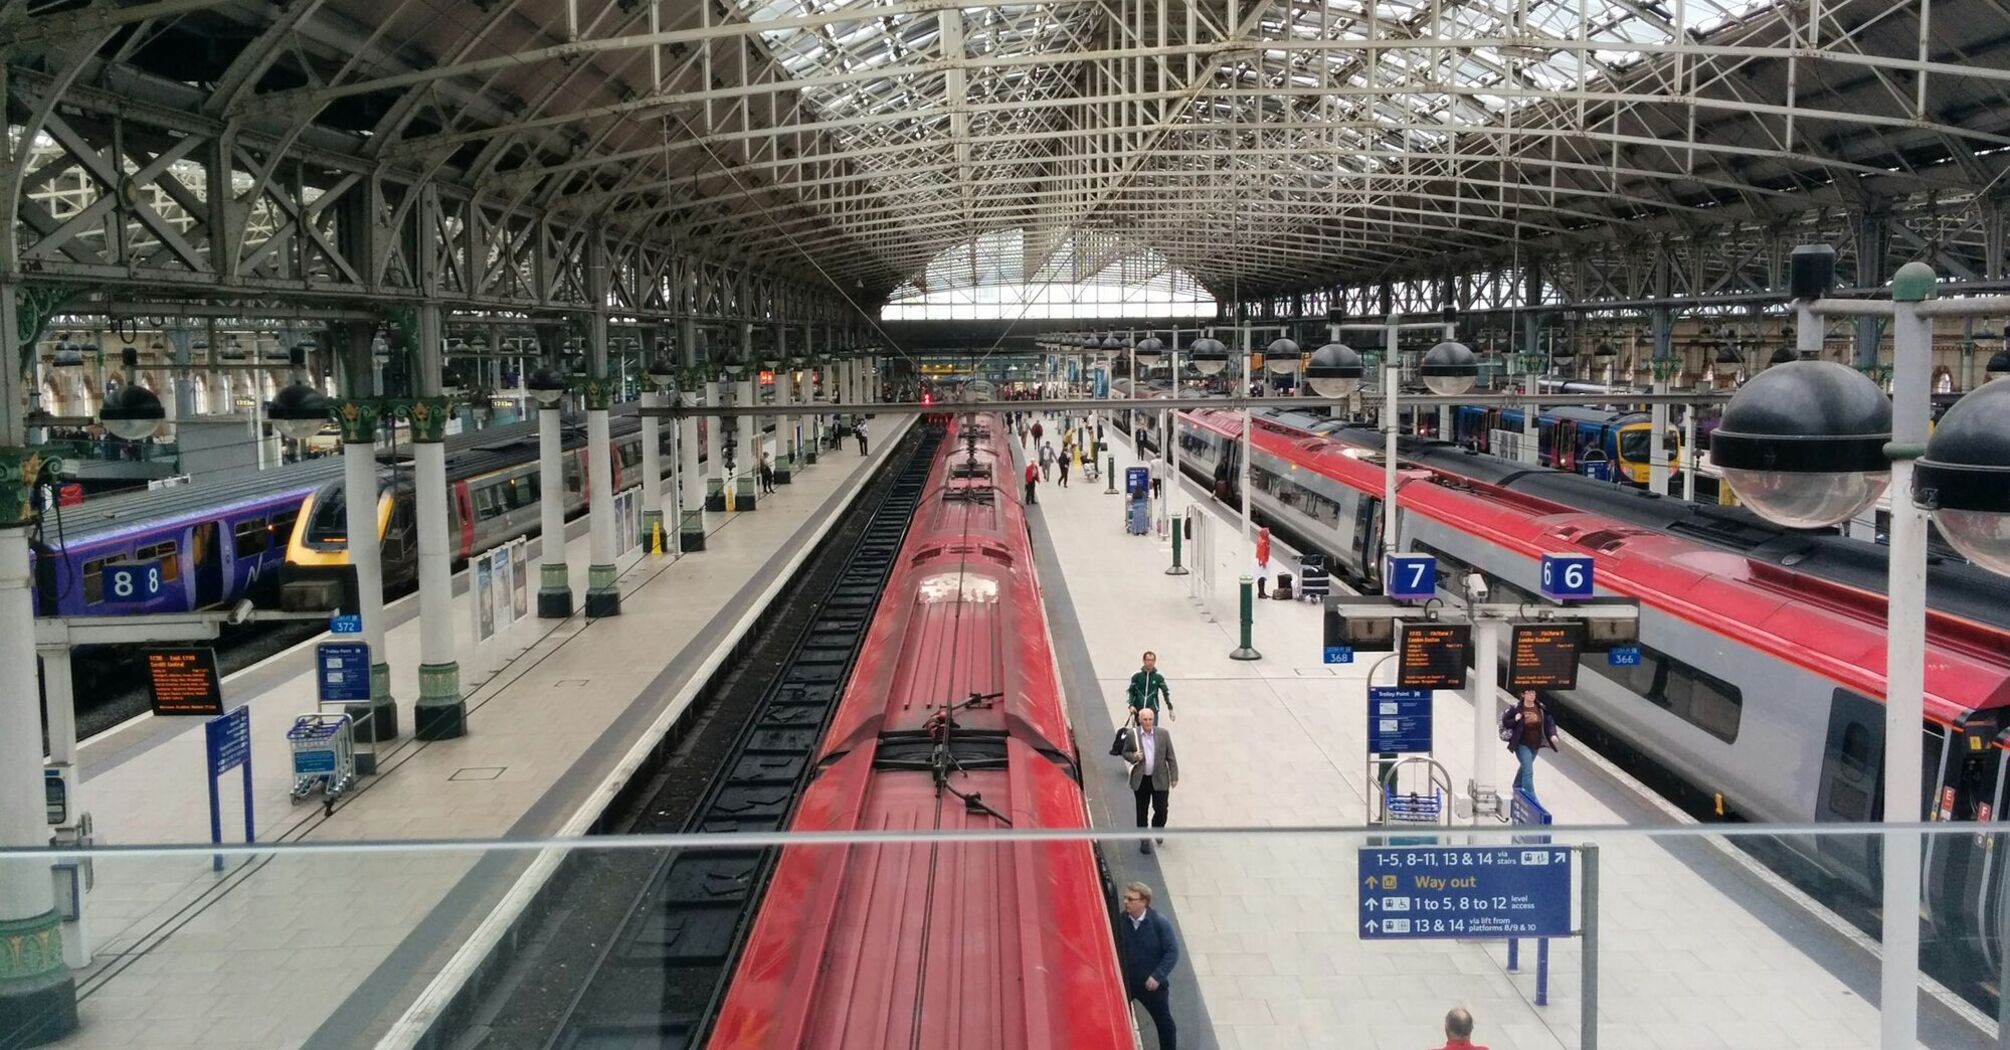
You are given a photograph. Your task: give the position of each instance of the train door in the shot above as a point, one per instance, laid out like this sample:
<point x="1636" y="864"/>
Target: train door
<point x="1851" y="780"/>
<point x="1987" y="883"/>
<point x="1959" y="869"/>
<point x="401" y="547"/>
<point x="206" y="561"/>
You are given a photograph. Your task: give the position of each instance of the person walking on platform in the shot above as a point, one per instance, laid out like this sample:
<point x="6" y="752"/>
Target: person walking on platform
<point x="859" y="429"/>
<point x="1036" y="432"/>
<point x="1148" y="686"/>
<point x="1047" y="460"/>
<point x="1154" y="771"/>
<point x="1459" y="1030"/>
<point x="1032" y="479"/>
<point x="1527" y="728"/>
<point x="1155" y="468"/>
<point x="1063" y="464"/>
<point x="1148" y="950"/>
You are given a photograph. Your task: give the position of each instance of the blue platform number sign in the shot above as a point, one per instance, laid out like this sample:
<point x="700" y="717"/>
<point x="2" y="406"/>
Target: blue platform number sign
<point x="228" y="737"/>
<point x="1426" y="892"/>
<point x="1339" y="654"/>
<point x="1624" y="656"/>
<point x="344" y="672"/>
<point x="132" y="582"/>
<point x="346" y="624"/>
<point x="1566" y="576"/>
<point x="1410" y="577"/>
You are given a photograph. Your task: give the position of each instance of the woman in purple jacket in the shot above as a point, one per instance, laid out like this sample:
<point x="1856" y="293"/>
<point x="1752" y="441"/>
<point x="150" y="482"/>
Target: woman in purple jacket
<point x="1527" y="728"/>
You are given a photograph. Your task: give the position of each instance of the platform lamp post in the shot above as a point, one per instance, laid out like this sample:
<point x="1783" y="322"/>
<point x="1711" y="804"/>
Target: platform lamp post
<point x="548" y="385"/>
<point x="1810" y="444"/>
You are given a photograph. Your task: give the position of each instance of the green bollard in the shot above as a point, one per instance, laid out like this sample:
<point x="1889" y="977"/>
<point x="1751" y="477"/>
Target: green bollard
<point x="1246" y="651"/>
<point x="1110" y="478"/>
<point x="1177" y="569"/>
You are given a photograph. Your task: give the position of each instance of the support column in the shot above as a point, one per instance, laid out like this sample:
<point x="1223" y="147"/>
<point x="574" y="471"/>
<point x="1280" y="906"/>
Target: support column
<point x="363" y="505"/>
<point x="745" y="394"/>
<point x="1664" y="366"/>
<point x="38" y="997"/>
<point x="604" y="594"/>
<point x="652" y="498"/>
<point x="715" y="450"/>
<point x="441" y="713"/>
<point x="554" y="591"/>
<point x="805" y="428"/>
<point x="786" y="452"/>
<point x="690" y="488"/>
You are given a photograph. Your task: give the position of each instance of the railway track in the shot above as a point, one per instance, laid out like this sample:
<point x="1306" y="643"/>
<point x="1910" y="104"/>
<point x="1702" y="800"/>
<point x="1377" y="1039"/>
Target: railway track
<point x="636" y="950"/>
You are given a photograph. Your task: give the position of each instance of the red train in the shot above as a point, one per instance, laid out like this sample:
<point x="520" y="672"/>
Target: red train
<point x="952" y="721"/>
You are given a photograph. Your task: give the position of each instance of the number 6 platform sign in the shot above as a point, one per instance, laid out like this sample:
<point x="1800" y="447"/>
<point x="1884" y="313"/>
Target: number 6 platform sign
<point x="1566" y="576"/>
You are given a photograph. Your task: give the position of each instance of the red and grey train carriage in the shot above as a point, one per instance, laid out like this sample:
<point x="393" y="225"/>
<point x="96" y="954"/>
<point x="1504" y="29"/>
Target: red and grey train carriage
<point x="1763" y="654"/>
<point x="951" y="721"/>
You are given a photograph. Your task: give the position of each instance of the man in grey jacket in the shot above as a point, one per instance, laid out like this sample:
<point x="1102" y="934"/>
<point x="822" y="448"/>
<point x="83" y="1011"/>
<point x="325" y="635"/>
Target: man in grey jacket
<point x="1154" y="770"/>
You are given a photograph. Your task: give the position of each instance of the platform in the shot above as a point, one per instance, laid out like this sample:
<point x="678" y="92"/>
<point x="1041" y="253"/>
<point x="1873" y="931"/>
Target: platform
<point x="328" y="949"/>
<point x="1699" y="951"/>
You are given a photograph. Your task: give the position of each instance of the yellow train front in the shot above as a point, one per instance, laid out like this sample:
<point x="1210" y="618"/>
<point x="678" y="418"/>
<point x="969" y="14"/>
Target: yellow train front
<point x="1577" y="439"/>
<point x="317" y="574"/>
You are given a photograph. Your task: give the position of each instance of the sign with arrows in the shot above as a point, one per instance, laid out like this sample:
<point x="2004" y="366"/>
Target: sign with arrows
<point x="1426" y="892"/>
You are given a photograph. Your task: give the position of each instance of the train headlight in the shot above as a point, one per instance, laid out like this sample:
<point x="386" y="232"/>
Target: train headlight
<point x="1802" y="444"/>
<point x="298" y="411"/>
<point x="1335" y="371"/>
<point x="1964" y="478"/>
<point x="1450" y="368"/>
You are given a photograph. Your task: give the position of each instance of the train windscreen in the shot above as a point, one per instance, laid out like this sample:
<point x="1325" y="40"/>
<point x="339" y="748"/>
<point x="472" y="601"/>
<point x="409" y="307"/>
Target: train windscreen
<point x="330" y="523"/>
<point x="1633" y="445"/>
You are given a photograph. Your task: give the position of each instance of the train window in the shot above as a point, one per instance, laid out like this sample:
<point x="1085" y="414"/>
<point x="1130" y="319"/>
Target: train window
<point x="251" y="538"/>
<point x="521" y="492"/>
<point x="281" y="528"/>
<point x="94" y="577"/>
<point x="574" y="483"/>
<point x="330" y="523"/>
<point x="170" y="559"/>
<point x="489" y="502"/>
<point x="631" y="455"/>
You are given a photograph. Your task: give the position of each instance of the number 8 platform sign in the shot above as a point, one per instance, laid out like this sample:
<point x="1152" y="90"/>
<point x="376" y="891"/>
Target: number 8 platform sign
<point x="132" y="582"/>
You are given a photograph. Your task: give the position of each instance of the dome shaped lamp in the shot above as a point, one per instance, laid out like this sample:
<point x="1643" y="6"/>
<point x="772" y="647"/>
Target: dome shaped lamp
<point x="1281" y="357"/>
<point x="662" y="372"/>
<point x="1450" y="368"/>
<point x="1998" y="367"/>
<point x="1964" y="477"/>
<point x="547" y="385"/>
<point x="132" y="411"/>
<point x="1802" y="444"/>
<point x="1334" y="371"/>
<point x="298" y="411"/>
<point x="1149" y="351"/>
<point x="1209" y="355"/>
<point x="1783" y="356"/>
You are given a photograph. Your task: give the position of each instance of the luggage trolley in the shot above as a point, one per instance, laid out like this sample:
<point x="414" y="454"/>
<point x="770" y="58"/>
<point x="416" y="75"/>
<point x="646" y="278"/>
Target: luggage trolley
<point x="324" y="756"/>
<point x="1415" y="792"/>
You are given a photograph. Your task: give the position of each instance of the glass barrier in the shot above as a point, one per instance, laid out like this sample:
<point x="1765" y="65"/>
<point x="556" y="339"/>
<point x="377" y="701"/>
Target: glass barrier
<point x="1693" y="937"/>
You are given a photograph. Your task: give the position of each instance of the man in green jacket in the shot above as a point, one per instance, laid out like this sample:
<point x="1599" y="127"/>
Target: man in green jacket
<point x="1148" y="686"/>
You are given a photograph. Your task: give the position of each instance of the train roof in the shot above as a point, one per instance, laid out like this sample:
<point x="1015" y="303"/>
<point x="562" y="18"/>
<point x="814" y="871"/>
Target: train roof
<point x="1953" y="587"/>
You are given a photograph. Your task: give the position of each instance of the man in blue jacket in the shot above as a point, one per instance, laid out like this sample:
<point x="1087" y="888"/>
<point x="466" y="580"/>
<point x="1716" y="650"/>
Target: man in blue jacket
<point x="1147" y="950"/>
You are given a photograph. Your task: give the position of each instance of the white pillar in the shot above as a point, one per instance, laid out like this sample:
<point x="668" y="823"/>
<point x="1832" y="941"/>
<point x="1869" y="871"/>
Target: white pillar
<point x="603" y="592"/>
<point x="441" y="713"/>
<point x="554" y="592"/>
<point x="362" y="502"/>
<point x="747" y="461"/>
<point x="59" y="707"/>
<point x="1392" y="381"/>
<point x="689" y="492"/>
<point x="715" y="449"/>
<point x="652" y="473"/>
<point x="786" y="454"/>
<point x="1486" y="708"/>
<point x="1657" y="448"/>
<point x="1689" y="452"/>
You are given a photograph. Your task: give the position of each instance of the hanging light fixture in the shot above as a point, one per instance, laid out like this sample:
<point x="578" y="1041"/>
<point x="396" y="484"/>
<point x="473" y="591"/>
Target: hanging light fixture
<point x="132" y="411"/>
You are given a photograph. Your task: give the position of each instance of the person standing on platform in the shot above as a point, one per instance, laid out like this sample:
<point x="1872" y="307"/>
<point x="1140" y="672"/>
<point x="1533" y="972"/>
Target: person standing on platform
<point x="859" y="429"/>
<point x="1148" y="687"/>
<point x="1459" y="1030"/>
<point x="1036" y="432"/>
<point x="767" y="474"/>
<point x="1154" y="772"/>
<point x="1046" y="459"/>
<point x="1155" y="469"/>
<point x="1032" y="479"/>
<point x="1527" y="728"/>
<point x="1148" y="952"/>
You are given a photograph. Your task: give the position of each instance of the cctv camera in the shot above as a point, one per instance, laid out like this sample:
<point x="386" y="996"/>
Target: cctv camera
<point x="241" y="612"/>
<point x="1476" y="587"/>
